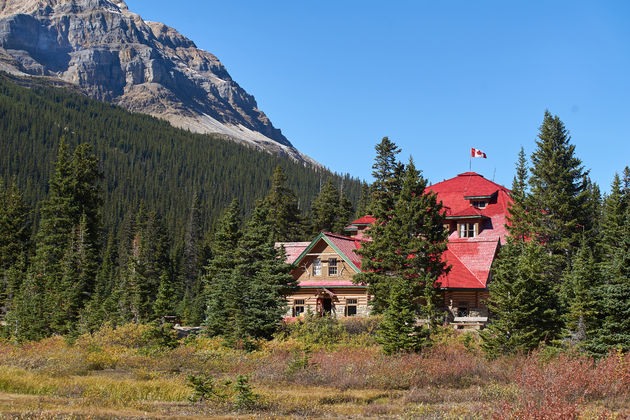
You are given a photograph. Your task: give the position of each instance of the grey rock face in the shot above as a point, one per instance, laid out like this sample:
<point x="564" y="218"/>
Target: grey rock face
<point x="114" y="55"/>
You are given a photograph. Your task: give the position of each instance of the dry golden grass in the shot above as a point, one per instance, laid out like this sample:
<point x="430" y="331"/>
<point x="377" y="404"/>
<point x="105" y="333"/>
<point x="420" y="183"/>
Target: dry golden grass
<point x="123" y="373"/>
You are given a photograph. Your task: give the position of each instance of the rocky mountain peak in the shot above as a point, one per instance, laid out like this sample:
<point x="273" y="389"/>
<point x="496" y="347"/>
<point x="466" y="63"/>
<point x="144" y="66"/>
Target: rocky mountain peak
<point x="114" y="55"/>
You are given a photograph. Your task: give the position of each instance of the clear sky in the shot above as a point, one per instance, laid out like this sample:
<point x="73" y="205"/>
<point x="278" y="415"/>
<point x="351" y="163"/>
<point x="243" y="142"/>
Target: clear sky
<point x="437" y="77"/>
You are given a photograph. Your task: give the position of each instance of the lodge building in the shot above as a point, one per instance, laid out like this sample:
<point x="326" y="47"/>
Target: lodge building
<point x="475" y="211"/>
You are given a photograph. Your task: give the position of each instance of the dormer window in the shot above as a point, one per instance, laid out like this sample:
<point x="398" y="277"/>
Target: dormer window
<point x="479" y="204"/>
<point x="467" y="230"/>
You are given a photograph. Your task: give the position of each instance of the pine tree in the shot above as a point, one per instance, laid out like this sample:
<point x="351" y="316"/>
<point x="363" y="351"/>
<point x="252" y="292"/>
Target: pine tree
<point x="283" y="211"/>
<point x="522" y="301"/>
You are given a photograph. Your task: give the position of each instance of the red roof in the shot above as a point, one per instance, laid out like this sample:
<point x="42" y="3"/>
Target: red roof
<point x="470" y="263"/>
<point x="470" y="184"/>
<point x="365" y="220"/>
<point x="347" y="246"/>
<point x="292" y="249"/>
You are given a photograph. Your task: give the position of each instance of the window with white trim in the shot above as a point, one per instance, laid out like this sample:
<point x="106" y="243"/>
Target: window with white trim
<point x="332" y="266"/>
<point x="298" y="307"/>
<point x="317" y="267"/>
<point x="467" y="230"/>
<point x="479" y="204"/>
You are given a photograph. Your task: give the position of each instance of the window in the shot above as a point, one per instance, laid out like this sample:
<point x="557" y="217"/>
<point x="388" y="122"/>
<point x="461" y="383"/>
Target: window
<point x="332" y="267"/>
<point x="467" y="230"/>
<point x="462" y="309"/>
<point x="479" y="204"/>
<point x="317" y="267"/>
<point x="351" y="307"/>
<point x="298" y="307"/>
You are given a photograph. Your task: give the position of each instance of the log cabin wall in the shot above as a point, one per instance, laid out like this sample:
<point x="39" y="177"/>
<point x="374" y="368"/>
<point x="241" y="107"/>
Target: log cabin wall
<point x="465" y="302"/>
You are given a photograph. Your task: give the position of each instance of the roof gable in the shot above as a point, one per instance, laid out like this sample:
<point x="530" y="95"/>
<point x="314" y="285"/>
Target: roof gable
<point x="342" y="245"/>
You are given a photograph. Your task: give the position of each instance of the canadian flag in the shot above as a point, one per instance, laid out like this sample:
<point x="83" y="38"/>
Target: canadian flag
<point x="477" y="153"/>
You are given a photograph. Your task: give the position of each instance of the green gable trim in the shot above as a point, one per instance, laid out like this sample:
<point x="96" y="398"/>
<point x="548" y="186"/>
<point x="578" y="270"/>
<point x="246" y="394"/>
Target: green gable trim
<point x="471" y="289"/>
<point x="474" y="197"/>
<point x="351" y="228"/>
<point x="332" y="245"/>
<point x="475" y="216"/>
<point x="362" y="224"/>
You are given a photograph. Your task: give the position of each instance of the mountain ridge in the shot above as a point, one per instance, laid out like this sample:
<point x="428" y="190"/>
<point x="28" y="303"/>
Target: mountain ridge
<point x="112" y="54"/>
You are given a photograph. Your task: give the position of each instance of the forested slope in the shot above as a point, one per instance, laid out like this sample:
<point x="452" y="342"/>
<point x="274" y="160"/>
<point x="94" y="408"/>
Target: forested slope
<point x="143" y="159"/>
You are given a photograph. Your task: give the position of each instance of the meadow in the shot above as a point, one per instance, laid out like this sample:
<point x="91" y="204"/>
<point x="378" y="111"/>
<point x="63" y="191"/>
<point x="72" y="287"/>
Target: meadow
<point x="319" y="369"/>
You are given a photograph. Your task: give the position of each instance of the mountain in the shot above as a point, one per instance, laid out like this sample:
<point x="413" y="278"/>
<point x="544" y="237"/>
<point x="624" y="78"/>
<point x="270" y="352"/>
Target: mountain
<point x="113" y="55"/>
<point x="143" y="159"/>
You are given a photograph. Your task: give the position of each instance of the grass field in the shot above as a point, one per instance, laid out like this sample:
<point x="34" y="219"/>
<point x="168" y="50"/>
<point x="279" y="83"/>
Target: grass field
<point x="318" y="371"/>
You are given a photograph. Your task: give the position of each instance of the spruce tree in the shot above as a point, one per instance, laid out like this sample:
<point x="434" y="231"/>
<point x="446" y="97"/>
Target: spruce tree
<point x="165" y="299"/>
<point x="364" y="201"/>
<point x="218" y="287"/>
<point x="325" y="208"/>
<point x="14" y="242"/>
<point x="613" y="298"/>
<point x="398" y="331"/>
<point x="387" y="173"/>
<point x="558" y="196"/>
<point x="578" y="294"/>
<point x="518" y="224"/>
<point x="283" y="211"/>
<point x="522" y="303"/>
<point x="406" y="246"/>
<point x="260" y="281"/>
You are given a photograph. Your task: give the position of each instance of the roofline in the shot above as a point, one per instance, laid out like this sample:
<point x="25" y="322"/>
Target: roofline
<point x="322" y="235"/>
<point x="360" y="224"/>
<point x="475" y="216"/>
<point x="465" y="288"/>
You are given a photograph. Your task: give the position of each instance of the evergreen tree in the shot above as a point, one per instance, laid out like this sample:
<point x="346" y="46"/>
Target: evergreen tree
<point x="398" y="331"/>
<point x="518" y="224"/>
<point x="331" y="210"/>
<point x="283" y="210"/>
<point x="558" y="194"/>
<point x="364" y="201"/>
<point x="14" y="225"/>
<point x="578" y="293"/>
<point x="406" y="246"/>
<point x="219" y="290"/>
<point x="522" y="301"/>
<point x="192" y="300"/>
<point x="613" y="297"/>
<point x="14" y="242"/>
<point x="387" y="173"/>
<point x="344" y="214"/>
<point x="325" y="208"/>
<point x="166" y="298"/>
<point x="261" y="280"/>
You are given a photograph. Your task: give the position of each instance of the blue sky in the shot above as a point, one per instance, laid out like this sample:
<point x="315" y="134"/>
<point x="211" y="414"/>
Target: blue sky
<point x="436" y="77"/>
